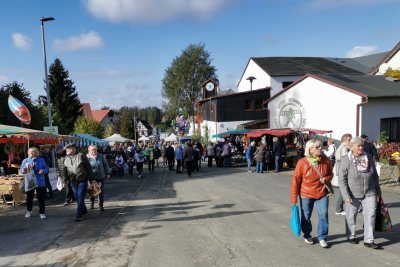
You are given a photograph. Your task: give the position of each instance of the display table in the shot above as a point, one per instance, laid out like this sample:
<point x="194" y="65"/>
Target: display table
<point x="9" y="190"/>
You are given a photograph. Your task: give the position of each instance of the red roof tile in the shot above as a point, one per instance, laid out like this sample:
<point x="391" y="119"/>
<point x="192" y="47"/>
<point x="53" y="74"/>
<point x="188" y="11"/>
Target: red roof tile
<point x="99" y="115"/>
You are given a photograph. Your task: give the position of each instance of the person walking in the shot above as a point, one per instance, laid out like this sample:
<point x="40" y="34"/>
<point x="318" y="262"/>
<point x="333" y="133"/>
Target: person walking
<point x="340" y="152"/>
<point x="259" y="156"/>
<point x="359" y="184"/>
<point x="226" y="152"/>
<point x="119" y="160"/>
<point x="139" y="158"/>
<point x="178" y="158"/>
<point x="210" y="153"/>
<point x="69" y="195"/>
<point x="311" y="174"/>
<point x="250" y="155"/>
<point x="39" y="167"/>
<point x="100" y="171"/>
<point x="277" y="151"/>
<point x="79" y="172"/>
<point x="188" y="157"/>
<point x="170" y="154"/>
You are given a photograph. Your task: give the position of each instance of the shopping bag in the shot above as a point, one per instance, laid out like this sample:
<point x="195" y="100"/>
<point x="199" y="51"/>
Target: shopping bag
<point x="60" y="183"/>
<point x="29" y="182"/>
<point x="93" y="189"/>
<point x="383" y="223"/>
<point x="295" y="221"/>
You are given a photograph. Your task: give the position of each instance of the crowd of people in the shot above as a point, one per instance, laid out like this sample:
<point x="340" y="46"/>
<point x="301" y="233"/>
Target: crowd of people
<point x="350" y="168"/>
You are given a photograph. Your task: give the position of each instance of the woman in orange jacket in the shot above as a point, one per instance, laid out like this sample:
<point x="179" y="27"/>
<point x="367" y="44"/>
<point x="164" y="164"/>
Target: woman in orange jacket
<point x="311" y="175"/>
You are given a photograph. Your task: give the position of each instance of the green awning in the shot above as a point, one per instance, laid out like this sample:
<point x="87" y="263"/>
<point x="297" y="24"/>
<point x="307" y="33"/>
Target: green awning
<point x="232" y="132"/>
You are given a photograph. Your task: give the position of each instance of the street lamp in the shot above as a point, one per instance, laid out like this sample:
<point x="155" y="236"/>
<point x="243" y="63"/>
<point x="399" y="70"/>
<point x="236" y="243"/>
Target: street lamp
<point x="42" y="20"/>
<point x="251" y="79"/>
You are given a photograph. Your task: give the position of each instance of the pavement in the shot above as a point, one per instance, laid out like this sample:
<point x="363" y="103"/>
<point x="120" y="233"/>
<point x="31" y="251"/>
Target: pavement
<point x="143" y="215"/>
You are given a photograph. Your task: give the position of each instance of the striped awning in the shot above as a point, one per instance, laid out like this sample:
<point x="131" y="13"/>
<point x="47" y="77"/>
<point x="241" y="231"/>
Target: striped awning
<point x="86" y="140"/>
<point x="19" y="134"/>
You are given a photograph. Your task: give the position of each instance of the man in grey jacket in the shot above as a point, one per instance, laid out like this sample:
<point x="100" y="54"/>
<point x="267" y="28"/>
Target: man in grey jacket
<point x="359" y="184"/>
<point x="78" y="171"/>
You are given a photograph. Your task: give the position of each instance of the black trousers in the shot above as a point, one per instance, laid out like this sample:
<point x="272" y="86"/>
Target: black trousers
<point x="139" y="167"/>
<point x="150" y="164"/>
<point x="48" y="184"/>
<point x="189" y="166"/>
<point x="178" y="166"/>
<point x="210" y="159"/>
<point x="171" y="163"/>
<point x="41" y="197"/>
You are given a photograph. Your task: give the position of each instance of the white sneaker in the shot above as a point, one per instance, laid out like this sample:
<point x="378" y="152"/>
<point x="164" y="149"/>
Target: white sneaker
<point x="43" y="216"/>
<point x="341" y="213"/>
<point x="309" y="241"/>
<point x="28" y="214"/>
<point x="323" y="243"/>
<point x="249" y="171"/>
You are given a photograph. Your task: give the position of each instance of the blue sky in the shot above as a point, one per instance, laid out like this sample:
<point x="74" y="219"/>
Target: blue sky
<point x="116" y="51"/>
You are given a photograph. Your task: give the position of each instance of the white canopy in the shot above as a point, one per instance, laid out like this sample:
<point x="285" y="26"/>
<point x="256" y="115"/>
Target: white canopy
<point x="144" y="138"/>
<point x="117" y="138"/>
<point x="171" y="138"/>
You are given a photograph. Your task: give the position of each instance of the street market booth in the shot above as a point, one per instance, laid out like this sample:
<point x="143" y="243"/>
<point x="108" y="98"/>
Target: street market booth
<point x="15" y="142"/>
<point x="292" y="139"/>
<point x="237" y="138"/>
<point x="85" y="140"/>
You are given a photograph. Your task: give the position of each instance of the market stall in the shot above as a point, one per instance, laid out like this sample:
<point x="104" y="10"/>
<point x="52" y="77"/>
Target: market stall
<point x="9" y="190"/>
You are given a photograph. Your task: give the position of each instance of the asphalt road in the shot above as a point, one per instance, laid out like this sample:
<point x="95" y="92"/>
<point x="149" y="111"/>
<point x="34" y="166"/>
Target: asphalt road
<point x="218" y="217"/>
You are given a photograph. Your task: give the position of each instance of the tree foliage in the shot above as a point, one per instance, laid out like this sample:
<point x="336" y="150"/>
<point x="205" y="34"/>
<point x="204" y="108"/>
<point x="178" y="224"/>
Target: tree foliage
<point x="182" y="80"/>
<point x="87" y="126"/>
<point x="126" y="122"/>
<point x="393" y="73"/>
<point x="18" y="91"/>
<point x="66" y="106"/>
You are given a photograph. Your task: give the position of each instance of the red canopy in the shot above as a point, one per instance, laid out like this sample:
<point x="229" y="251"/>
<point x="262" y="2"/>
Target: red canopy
<point x="274" y="132"/>
<point x="314" y="131"/>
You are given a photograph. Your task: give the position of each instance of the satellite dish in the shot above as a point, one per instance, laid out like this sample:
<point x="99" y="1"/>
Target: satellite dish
<point x="383" y="68"/>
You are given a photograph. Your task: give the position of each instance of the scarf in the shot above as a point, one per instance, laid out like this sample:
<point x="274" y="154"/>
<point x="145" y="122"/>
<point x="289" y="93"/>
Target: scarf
<point x="91" y="157"/>
<point x="313" y="161"/>
<point x="360" y="162"/>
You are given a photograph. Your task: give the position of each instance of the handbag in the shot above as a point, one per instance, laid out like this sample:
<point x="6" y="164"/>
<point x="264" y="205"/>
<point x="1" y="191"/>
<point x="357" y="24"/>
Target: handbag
<point x="383" y="223"/>
<point x="60" y="183"/>
<point x="328" y="186"/>
<point x="93" y="189"/>
<point x="295" y="221"/>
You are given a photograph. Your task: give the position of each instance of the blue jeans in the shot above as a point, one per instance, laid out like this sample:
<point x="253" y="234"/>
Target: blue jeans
<point x="307" y="205"/>
<point x="249" y="164"/>
<point x="79" y="193"/>
<point x="277" y="163"/>
<point x="259" y="166"/>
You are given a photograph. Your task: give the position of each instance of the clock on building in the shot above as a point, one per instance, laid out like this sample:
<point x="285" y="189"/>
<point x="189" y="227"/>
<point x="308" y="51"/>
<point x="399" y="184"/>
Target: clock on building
<point x="210" y="86"/>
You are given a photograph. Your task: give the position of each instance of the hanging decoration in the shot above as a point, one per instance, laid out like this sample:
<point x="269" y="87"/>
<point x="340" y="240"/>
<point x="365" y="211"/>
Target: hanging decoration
<point x="182" y="125"/>
<point x="19" y="110"/>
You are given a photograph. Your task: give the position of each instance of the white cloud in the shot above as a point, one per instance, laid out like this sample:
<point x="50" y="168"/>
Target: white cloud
<point x="324" y="4"/>
<point x="74" y="43"/>
<point x="154" y="11"/>
<point x="21" y="41"/>
<point x="359" y="51"/>
<point x="3" y="78"/>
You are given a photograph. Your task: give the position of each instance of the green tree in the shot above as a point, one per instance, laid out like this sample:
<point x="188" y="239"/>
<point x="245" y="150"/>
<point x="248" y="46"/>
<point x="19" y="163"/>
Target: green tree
<point x="19" y="92"/>
<point x="83" y="125"/>
<point x="66" y="106"/>
<point x="126" y="123"/>
<point x="182" y="80"/>
<point x="110" y="130"/>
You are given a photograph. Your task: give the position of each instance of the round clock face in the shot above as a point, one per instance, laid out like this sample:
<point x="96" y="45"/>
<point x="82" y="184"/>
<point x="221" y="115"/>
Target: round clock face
<point x="210" y="86"/>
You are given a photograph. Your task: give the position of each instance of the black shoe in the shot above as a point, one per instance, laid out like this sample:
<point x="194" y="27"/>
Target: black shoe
<point x="372" y="245"/>
<point x="353" y="241"/>
<point x="78" y="218"/>
<point x="101" y="208"/>
<point x="66" y="203"/>
<point x="92" y="206"/>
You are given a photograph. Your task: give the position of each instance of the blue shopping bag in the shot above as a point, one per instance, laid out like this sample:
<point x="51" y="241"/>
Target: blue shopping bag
<point x="295" y="221"/>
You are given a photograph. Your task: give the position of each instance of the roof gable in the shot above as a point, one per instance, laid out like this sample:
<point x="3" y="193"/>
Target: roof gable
<point x="99" y="115"/>
<point x="87" y="111"/>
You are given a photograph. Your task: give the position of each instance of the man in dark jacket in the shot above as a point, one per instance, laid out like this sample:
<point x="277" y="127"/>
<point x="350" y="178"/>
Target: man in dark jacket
<point x="78" y="171"/>
<point x="170" y="154"/>
<point x="188" y="157"/>
<point x="277" y="151"/>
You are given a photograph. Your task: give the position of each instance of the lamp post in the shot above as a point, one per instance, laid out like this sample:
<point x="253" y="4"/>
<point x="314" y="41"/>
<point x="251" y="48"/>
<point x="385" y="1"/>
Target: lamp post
<point x="251" y="79"/>
<point x="42" y="20"/>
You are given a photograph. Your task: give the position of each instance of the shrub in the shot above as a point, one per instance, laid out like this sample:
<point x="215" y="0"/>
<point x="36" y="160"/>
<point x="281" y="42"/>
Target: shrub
<point x="385" y="151"/>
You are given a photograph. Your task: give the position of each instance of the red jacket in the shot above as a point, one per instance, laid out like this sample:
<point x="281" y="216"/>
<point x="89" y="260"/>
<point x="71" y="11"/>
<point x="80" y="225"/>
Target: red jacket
<point x="306" y="181"/>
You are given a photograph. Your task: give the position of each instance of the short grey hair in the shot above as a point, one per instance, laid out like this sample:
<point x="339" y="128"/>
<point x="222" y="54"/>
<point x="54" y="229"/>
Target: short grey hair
<point x="356" y="141"/>
<point x="310" y="144"/>
<point x="275" y="139"/>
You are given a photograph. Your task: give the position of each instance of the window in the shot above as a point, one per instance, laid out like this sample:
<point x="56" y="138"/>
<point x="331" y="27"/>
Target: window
<point x="258" y="104"/>
<point x="248" y="104"/>
<point x="285" y="84"/>
<point x="392" y="128"/>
